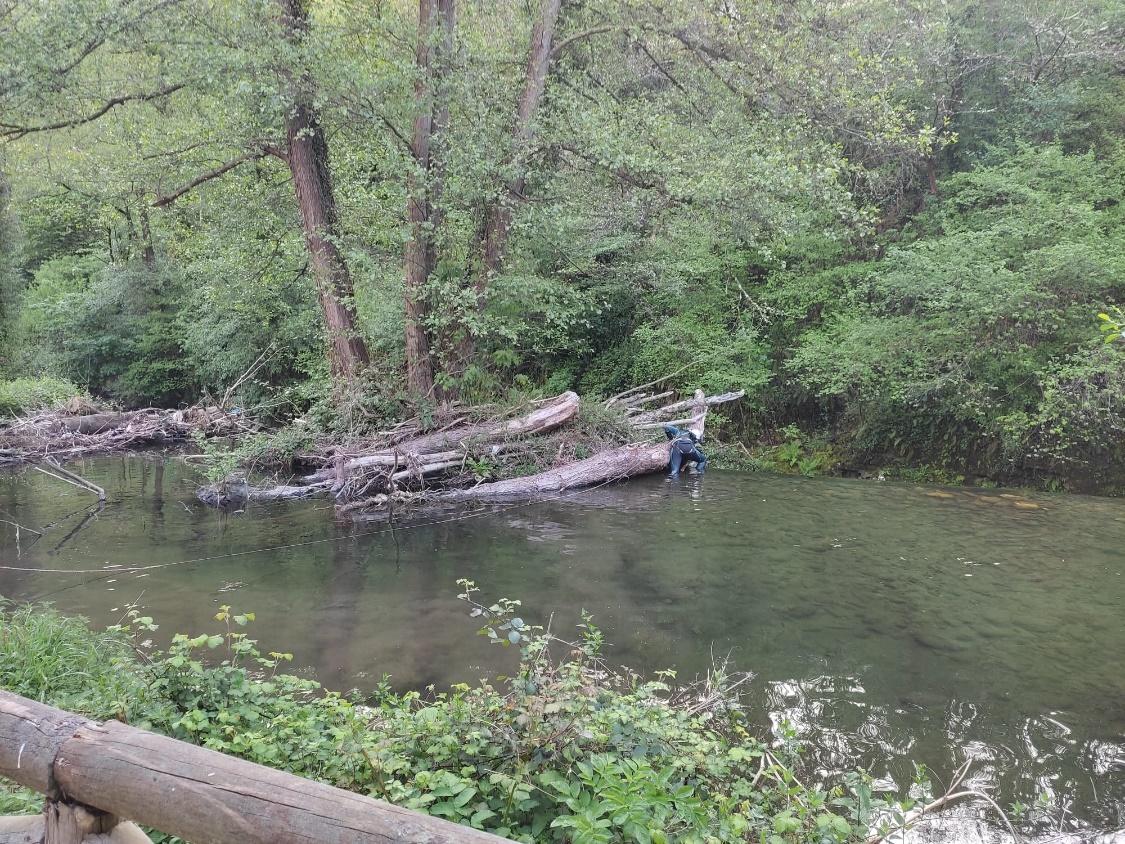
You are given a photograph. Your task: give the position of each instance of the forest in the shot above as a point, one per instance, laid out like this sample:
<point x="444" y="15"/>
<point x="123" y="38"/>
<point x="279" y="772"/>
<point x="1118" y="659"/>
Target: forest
<point x="380" y="250"/>
<point x="893" y="224"/>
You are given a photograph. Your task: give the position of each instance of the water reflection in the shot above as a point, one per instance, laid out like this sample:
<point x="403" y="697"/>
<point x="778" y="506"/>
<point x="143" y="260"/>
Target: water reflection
<point x="886" y="623"/>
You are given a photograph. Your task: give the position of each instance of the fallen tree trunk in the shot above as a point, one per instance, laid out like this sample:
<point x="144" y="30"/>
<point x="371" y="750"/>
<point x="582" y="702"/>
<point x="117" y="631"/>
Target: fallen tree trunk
<point x="447" y="446"/>
<point x="59" y="435"/>
<point x="648" y="418"/>
<point x="545" y="418"/>
<point x="604" y="467"/>
<point x="94" y="423"/>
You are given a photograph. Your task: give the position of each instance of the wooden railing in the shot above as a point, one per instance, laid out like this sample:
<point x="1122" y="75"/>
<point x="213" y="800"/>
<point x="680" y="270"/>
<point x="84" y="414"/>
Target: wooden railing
<point x="93" y="773"/>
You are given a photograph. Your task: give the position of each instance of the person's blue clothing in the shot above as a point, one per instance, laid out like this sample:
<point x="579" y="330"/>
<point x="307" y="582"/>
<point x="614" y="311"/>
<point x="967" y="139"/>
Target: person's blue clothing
<point x="684" y="448"/>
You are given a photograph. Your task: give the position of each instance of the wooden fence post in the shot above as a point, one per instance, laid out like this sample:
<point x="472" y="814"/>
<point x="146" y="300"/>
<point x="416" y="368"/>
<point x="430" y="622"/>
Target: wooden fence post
<point x="201" y="795"/>
<point x="69" y="823"/>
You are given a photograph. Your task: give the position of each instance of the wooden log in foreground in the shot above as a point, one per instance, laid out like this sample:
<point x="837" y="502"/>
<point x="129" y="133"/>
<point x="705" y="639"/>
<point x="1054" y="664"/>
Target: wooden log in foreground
<point x="200" y="795"/>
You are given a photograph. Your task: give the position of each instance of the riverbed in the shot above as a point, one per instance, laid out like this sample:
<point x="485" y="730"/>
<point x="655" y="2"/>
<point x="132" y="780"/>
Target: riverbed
<point x="886" y="622"/>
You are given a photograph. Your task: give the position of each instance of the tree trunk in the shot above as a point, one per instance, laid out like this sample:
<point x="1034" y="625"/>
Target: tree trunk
<point x="148" y="251"/>
<point x="605" y="467"/>
<point x="419" y="252"/>
<point x="307" y="156"/>
<point x="498" y="210"/>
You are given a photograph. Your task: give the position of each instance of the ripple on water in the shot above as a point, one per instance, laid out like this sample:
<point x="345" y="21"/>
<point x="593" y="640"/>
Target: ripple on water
<point x="848" y="599"/>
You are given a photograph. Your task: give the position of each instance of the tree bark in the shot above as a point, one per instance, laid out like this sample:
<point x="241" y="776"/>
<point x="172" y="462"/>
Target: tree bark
<point x="307" y="156"/>
<point x="419" y="252"/>
<point x="198" y="794"/>
<point x="148" y="250"/>
<point x="497" y="221"/>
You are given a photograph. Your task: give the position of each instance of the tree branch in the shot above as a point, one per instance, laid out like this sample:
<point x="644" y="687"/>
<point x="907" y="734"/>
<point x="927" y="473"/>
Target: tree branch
<point x="15" y="132"/>
<point x="578" y="36"/>
<point x="169" y="198"/>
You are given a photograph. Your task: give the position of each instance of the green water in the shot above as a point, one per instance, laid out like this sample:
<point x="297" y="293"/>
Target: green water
<point x="885" y="622"/>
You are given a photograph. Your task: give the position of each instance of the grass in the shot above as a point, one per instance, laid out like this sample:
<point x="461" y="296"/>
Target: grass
<point x="26" y="395"/>
<point x="57" y="659"/>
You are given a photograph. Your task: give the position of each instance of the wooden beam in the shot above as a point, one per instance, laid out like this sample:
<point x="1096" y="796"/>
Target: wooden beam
<point x="198" y="794"/>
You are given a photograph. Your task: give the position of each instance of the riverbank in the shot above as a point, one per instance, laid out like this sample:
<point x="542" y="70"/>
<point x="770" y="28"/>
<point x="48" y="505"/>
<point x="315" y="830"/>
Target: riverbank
<point x="459" y="446"/>
<point x="567" y="750"/>
<point x="793" y="451"/>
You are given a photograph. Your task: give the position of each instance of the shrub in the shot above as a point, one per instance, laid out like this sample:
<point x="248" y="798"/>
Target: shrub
<point x="26" y="395"/>
<point x="567" y="749"/>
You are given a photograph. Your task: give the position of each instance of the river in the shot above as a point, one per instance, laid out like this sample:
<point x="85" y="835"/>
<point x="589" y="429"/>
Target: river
<point x="886" y="622"/>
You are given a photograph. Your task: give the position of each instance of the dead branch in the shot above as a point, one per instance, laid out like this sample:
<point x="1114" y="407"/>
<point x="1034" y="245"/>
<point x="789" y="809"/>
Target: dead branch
<point x="69" y="477"/>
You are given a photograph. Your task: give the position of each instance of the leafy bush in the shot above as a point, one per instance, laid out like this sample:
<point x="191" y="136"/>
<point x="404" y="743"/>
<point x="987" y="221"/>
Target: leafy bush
<point x="565" y="750"/>
<point x="24" y="395"/>
<point x="57" y="659"/>
<point x="972" y="343"/>
<point x="110" y="327"/>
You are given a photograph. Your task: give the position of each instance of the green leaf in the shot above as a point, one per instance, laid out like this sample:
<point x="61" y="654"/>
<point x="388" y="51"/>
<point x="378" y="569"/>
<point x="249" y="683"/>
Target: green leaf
<point x="465" y="796"/>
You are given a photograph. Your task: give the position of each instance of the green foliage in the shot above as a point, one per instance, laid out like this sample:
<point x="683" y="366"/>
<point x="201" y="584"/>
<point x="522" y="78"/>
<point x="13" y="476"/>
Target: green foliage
<point x="888" y="222"/>
<point x="1112" y="323"/>
<point x="108" y="327"/>
<point x="796" y="454"/>
<point x="963" y="344"/>
<point x="263" y="451"/>
<point x="57" y="659"/>
<point x="564" y="751"/>
<point x="26" y="395"/>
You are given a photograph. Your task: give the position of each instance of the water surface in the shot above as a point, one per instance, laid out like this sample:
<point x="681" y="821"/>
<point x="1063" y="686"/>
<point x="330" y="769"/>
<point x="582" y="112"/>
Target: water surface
<point x="887" y="622"/>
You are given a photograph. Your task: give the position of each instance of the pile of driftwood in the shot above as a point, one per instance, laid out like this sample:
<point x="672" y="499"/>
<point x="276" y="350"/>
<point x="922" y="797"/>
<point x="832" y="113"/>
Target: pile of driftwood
<point x="62" y="435"/>
<point x="440" y="465"/>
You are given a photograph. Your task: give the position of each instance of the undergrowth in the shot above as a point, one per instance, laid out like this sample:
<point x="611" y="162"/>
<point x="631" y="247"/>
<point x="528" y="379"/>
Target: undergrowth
<point x="27" y="395"/>
<point x="566" y="749"/>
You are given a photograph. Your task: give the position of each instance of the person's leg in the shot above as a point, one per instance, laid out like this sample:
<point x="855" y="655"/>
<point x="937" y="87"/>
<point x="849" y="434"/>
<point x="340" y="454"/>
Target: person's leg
<point x="700" y="460"/>
<point x="675" y="461"/>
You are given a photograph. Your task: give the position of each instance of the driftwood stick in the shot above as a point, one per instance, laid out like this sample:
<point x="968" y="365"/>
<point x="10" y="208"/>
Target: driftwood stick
<point x="78" y="479"/>
<point x="250" y="372"/>
<point x="20" y="527"/>
<point x="687" y="420"/>
<point x="71" y="478"/>
<point x="613" y="399"/>
<point x="952" y="794"/>
<point x="636" y="402"/>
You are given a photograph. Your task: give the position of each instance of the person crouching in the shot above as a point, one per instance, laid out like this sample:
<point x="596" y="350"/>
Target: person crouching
<point x="684" y="448"/>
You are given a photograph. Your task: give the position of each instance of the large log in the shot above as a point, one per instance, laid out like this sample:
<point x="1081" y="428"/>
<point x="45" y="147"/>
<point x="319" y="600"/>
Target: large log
<point x="438" y="447"/>
<point x="198" y="794"/>
<point x="651" y="416"/>
<point x="94" y="423"/>
<point x="546" y="417"/>
<point x="604" y="467"/>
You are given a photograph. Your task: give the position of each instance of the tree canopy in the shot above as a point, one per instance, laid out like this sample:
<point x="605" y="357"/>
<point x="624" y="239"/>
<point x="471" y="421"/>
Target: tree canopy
<point x="892" y="222"/>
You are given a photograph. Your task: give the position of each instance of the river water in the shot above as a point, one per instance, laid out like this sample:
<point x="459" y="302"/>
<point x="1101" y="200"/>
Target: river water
<point x="886" y="622"/>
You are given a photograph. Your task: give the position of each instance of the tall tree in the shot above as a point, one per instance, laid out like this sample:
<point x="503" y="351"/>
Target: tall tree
<point x="306" y="153"/>
<point x="497" y="217"/>
<point x="419" y="250"/>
